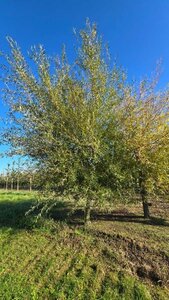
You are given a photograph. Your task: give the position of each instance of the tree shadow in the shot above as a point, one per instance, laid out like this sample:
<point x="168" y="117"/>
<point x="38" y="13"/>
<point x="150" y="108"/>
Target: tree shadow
<point x="12" y="214"/>
<point x="67" y="214"/>
<point x="131" y="218"/>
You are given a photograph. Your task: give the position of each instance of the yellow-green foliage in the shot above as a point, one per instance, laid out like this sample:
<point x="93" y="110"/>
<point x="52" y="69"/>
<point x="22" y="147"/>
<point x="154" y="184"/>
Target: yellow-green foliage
<point x="91" y="134"/>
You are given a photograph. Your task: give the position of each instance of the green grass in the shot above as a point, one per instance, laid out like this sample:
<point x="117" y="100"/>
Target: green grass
<point x="121" y="259"/>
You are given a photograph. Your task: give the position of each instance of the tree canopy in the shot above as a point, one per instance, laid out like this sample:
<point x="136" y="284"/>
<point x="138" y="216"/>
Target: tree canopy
<point x="91" y="134"/>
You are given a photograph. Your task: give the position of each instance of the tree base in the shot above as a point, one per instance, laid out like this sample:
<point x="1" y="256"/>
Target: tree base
<point x="146" y="210"/>
<point x="87" y="220"/>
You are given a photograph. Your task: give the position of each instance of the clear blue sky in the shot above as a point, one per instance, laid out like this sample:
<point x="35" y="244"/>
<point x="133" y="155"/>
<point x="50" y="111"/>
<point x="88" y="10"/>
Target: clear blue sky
<point x="137" y="30"/>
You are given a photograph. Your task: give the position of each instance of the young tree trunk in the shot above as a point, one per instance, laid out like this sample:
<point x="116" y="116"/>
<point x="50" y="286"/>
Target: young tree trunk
<point x="87" y="213"/>
<point x="146" y="209"/>
<point x="17" y="184"/>
<point x="143" y="194"/>
<point x="12" y="184"/>
<point x="30" y="184"/>
<point x="6" y="183"/>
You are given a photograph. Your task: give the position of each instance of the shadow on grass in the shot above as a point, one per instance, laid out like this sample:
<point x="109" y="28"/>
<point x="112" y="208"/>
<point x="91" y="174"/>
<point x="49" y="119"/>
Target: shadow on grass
<point x="12" y="214"/>
<point x="65" y="213"/>
<point x="132" y="218"/>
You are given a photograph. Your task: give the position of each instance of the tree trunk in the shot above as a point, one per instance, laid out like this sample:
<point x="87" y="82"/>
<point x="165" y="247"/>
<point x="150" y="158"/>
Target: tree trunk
<point x="6" y="183"/>
<point x="30" y="184"/>
<point x="87" y="213"/>
<point x="12" y="184"/>
<point x="143" y="193"/>
<point x="146" y="209"/>
<point x="17" y="184"/>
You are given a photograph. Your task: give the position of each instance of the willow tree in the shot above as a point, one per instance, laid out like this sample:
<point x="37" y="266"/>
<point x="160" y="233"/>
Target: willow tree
<point x="143" y="119"/>
<point x="60" y="115"/>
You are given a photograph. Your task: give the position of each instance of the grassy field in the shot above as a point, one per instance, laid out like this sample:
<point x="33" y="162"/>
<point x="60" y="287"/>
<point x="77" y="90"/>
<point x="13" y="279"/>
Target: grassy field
<point x="119" y="256"/>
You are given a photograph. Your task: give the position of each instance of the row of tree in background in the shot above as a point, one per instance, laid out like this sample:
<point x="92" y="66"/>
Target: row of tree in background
<point x="93" y="135"/>
<point x="15" y="178"/>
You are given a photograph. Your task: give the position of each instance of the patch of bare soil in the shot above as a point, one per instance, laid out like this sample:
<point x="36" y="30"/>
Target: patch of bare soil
<point x="137" y="258"/>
